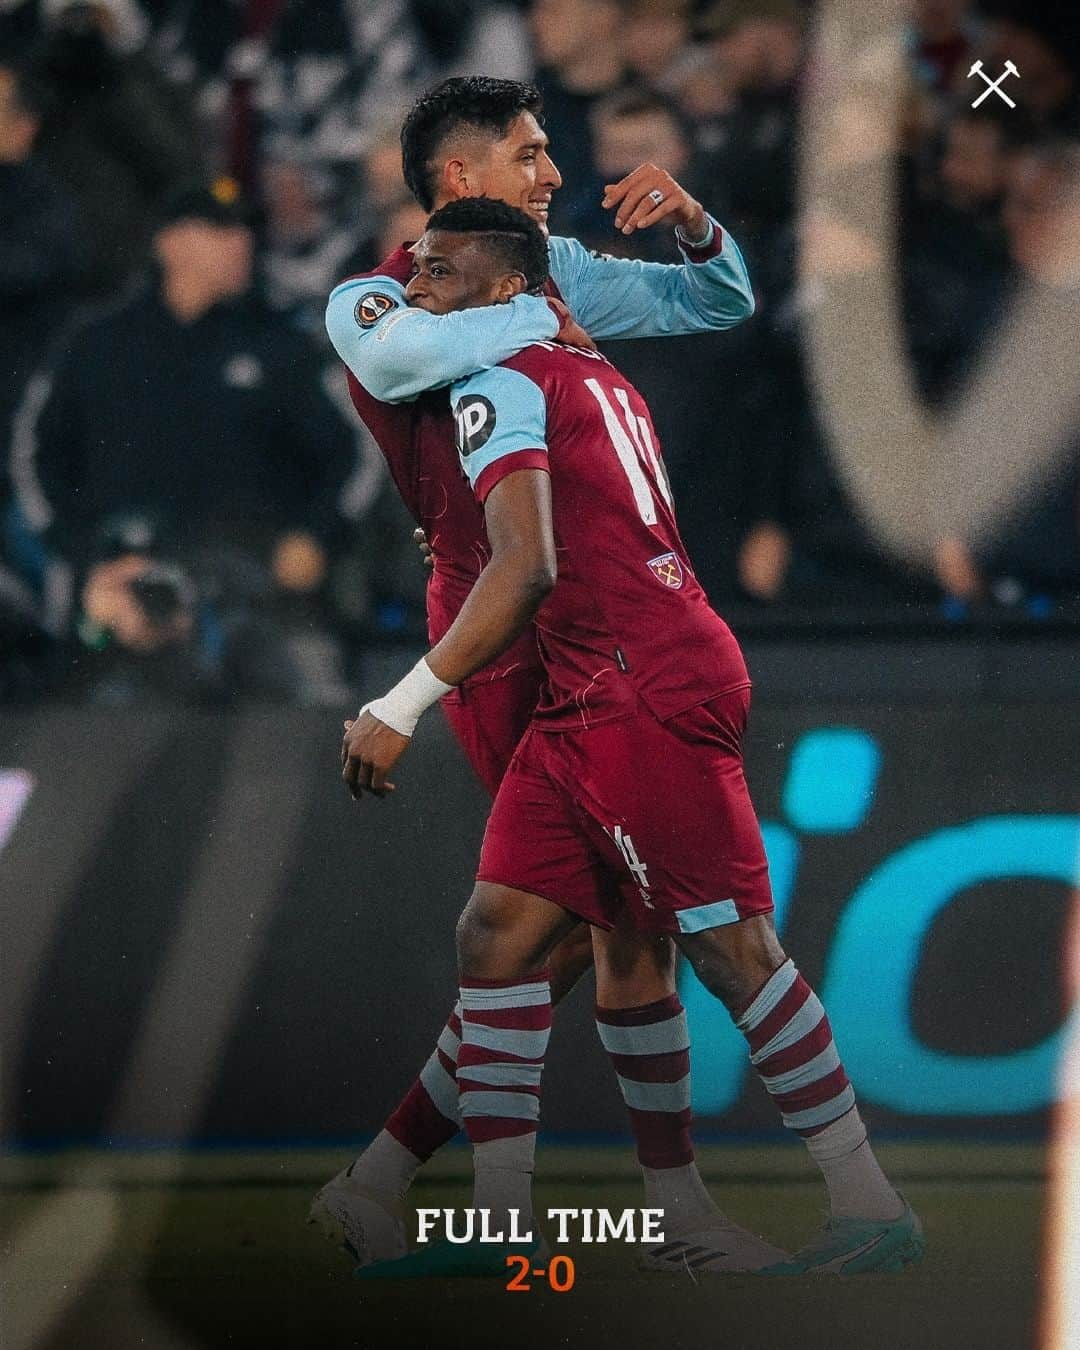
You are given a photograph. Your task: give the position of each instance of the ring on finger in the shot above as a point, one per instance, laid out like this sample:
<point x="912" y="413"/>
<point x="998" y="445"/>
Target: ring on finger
<point x="656" y="196"/>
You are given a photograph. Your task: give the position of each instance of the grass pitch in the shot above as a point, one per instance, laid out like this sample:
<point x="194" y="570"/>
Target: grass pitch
<point x="196" y="1252"/>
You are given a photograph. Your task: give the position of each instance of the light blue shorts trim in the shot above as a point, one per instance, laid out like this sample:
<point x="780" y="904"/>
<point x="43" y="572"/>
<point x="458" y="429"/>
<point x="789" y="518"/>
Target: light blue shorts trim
<point x="707" y="916"/>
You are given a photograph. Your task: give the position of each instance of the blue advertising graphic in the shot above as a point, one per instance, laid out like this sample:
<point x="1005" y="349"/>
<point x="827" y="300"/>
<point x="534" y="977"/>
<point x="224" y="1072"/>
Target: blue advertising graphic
<point x="923" y="863"/>
<point x="874" y="952"/>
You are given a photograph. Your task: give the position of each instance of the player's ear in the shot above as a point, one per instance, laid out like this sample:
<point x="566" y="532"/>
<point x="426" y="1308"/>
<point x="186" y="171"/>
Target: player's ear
<point x="512" y="284"/>
<point x="454" y="181"/>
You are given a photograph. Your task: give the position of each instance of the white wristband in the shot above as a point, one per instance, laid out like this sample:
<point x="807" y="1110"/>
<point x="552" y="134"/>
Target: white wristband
<point x="403" y="706"/>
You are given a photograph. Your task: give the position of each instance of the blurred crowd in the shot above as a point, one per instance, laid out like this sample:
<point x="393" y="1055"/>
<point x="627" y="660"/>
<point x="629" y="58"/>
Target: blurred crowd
<point x="189" y="506"/>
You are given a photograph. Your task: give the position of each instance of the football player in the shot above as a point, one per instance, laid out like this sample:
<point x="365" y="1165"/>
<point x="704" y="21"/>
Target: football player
<point x="626" y="797"/>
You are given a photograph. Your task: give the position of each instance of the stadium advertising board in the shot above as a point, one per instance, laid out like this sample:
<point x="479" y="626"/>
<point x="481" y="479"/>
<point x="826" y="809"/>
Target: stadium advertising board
<point x="185" y="907"/>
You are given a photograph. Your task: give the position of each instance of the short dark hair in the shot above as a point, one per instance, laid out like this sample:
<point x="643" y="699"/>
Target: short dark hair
<point x="510" y="234"/>
<point x="475" y="101"/>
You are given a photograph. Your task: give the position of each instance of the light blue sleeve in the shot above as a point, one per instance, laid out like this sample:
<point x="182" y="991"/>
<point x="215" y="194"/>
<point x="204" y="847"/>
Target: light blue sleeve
<point x="626" y="298"/>
<point x="497" y="413"/>
<point x="397" y="353"/>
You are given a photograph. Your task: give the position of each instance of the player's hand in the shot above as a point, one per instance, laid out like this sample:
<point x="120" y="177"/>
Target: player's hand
<point x="369" y="751"/>
<point x="425" y="548"/>
<point x="570" y="331"/>
<point x="636" y="210"/>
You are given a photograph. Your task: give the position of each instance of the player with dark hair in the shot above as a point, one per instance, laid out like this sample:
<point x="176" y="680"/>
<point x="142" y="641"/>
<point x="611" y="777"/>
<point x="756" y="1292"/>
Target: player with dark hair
<point x="626" y="797"/>
<point x="473" y="104"/>
<point x="503" y="234"/>
<point x="468" y="138"/>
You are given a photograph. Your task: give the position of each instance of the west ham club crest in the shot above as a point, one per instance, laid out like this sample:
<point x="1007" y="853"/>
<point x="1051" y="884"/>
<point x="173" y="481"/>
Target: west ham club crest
<point x="668" y="569"/>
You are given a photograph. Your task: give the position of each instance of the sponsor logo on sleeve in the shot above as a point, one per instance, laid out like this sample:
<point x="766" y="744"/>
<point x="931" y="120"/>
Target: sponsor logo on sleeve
<point x="668" y="569"/>
<point x="371" y="307"/>
<point x="474" y="420"/>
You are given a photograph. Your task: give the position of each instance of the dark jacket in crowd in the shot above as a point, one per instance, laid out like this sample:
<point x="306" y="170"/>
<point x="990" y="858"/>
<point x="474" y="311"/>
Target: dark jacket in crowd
<point x="749" y="158"/>
<point x="120" y="140"/>
<point x="40" y="253"/>
<point x="219" y="430"/>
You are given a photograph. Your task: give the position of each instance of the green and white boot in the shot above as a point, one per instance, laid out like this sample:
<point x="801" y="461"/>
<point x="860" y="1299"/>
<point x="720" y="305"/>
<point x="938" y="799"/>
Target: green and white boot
<point x="857" y="1247"/>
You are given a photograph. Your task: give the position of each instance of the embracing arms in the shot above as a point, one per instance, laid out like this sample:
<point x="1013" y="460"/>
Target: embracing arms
<point x="397" y="353"/>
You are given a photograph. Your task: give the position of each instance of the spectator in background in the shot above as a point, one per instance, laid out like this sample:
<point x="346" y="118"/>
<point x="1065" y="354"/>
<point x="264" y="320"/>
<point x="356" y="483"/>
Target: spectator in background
<point x="306" y="248"/>
<point x="188" y="427"/>
<point x="340" y="71"/>
<point x="632" y="128"/>
<point x="23" y="21"/>
<point x="311" y="240"/>
<point x="580" y="55"/>
<point x="113" y="134"/>
<point x="40" y="246"/>
<point x="942" y="39"/>
<point x="217" y="53"/>
<point x="404" y="224"/>
<point x="20" y="23"/>
<point x="656" y="48"/>
<point x="464" y="36"/>
<point x="1044" y="45"/>
<point x="744" y="104"/>
<point x="975" y="162"/>
<point x="1036" y="551"/>
<point x="954" y="250"/>
<point x="382" y="195"/>
<point x="384" y="186"/>
<point x="39" y="253"/>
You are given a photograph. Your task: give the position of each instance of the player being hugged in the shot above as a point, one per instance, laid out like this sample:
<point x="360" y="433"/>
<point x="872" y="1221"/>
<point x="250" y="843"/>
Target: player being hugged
<point x="469" y="137"/>
<point x="626" y="797"/>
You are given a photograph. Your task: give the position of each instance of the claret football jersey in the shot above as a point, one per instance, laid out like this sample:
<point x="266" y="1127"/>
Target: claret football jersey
<point x="613" y="298"/>
<point x="417" y="442"/>
<point x="627" y="618"/>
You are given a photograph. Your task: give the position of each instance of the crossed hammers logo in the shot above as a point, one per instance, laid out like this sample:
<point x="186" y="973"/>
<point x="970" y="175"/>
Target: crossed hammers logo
<point x="993" y="86"/>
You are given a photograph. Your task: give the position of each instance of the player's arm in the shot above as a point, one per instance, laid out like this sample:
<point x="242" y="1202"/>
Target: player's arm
<point x="514" y="583"/>
<point x="397" y="353"/>
<point x="627" y="298"/>
<point x="500" y="417"/>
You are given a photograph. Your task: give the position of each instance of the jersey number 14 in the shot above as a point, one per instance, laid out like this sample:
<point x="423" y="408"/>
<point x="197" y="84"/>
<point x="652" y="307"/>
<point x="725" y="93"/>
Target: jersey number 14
<point x="633" y="443"/>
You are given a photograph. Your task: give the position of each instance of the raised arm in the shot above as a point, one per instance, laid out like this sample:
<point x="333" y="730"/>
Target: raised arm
<point x="397" y="353"/>
<point x="627" y="298"/>
<point x="624" y="298"/>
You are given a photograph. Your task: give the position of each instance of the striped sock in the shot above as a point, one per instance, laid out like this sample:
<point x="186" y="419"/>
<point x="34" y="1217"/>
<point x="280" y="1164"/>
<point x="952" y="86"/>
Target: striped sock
<point x="425" y="1118"/>
<point x="428" y="1114"/>
<point x="504" y="1034"/>
<point x="650" y="1049"/>
<point x="792" y="1048"/>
